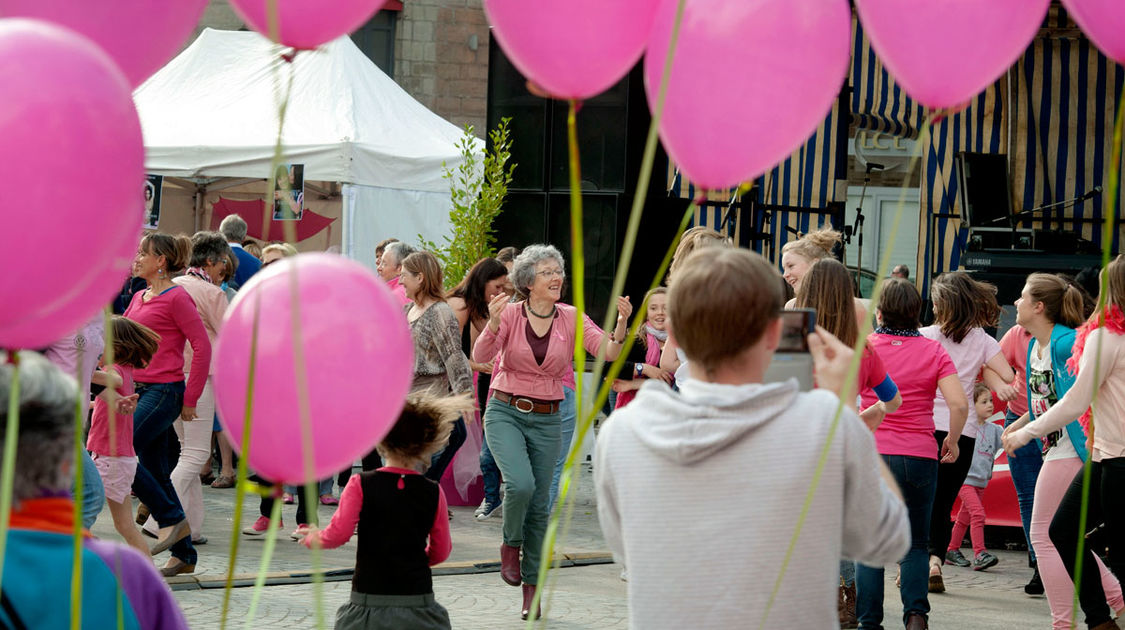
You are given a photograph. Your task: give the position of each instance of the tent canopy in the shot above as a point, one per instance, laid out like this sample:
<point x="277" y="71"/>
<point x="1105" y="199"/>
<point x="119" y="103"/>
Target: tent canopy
<point x="213" y="112"/>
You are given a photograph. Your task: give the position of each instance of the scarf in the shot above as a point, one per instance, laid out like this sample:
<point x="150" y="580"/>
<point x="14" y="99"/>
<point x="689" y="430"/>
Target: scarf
<point x="898" y="332"/>
<point x="51" y="514"/>
<point x="1115" y="323"/>
<point x="198" y="272"/>
<point x="661" y="335"/>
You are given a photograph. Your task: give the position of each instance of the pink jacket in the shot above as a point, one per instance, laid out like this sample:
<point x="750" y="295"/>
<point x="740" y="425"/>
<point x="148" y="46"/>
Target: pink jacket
<point x="211" y="304"/>
<point x="516" y="371"/>
<point x="399" y="291"/>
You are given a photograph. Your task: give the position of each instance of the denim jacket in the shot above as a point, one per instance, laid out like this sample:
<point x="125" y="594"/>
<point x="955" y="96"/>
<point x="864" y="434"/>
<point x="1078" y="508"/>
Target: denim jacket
<point x="1062" y="339"/>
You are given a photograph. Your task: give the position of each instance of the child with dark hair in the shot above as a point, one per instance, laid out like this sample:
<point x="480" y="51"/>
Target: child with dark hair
<point x="402" y="524"/>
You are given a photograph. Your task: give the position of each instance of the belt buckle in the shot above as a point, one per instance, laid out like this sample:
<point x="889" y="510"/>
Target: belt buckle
<point x="516" y="403"/>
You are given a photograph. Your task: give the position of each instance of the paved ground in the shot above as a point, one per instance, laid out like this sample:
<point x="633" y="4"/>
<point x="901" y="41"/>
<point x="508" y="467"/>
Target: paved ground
<point x="586" y="596"/>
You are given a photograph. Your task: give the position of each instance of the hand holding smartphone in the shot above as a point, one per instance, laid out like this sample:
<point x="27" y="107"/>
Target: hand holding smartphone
<point x="792" y="358"/>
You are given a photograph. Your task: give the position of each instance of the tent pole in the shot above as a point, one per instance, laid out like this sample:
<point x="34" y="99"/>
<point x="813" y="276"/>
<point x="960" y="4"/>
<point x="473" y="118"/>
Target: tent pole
<point x="200" y="189"/>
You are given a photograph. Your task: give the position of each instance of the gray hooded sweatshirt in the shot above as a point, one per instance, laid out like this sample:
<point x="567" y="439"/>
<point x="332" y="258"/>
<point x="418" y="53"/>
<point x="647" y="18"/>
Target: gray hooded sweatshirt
<point x="699" y="493"/>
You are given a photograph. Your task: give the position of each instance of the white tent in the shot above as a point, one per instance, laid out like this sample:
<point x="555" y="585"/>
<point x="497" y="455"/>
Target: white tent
<point x="212" y="112"/>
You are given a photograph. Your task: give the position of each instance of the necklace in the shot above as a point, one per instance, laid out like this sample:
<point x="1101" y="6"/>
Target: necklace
<point x="547" y="316"/>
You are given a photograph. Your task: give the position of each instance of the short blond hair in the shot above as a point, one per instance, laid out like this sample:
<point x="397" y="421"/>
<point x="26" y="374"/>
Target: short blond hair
<point x="721" y="302"/>
<point x="697" y="237"/>
<point x="285" y="249"/>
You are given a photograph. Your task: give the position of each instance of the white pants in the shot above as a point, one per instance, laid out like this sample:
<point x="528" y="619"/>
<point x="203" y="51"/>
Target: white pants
<point x="195" y="444"/>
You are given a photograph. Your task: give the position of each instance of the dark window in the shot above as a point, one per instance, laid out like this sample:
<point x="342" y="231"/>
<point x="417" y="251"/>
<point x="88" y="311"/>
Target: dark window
<point x="377" y="40"/>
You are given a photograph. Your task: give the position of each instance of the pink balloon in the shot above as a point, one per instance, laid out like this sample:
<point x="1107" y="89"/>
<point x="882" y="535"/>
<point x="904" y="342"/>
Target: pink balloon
<point x="573" y="49"/>
<point x="780" y="65"/>
<point x="72" y="139"/>
<point x="358" y="361"/>
<point x="944" y="52"/>
<point x="1104" y="22"/>
<point x="306" y="24"/>
<point x="140" y="35"/>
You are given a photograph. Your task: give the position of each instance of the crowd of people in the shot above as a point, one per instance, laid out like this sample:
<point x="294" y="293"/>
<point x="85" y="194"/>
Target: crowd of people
<point x="695" y="424"/>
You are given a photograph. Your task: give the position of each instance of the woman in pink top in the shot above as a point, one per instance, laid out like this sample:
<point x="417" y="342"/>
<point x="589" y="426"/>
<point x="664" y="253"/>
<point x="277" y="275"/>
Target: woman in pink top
<point x="535" y="343"/>
<point x="208" y="255"/>
<point x="168" y="310"/>
<point x="1099" y="359"/>
<point x="920" y="368"/>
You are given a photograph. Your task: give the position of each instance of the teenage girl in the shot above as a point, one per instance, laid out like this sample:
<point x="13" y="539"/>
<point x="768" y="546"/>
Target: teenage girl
<point x="402" y="524"/>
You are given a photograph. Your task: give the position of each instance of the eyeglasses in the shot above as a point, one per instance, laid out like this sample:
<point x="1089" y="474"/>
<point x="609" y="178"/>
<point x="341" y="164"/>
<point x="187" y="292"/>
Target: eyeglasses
<point x="551" y="273"/>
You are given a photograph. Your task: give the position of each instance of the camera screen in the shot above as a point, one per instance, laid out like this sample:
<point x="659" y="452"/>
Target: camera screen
<point x="795" y="327"/>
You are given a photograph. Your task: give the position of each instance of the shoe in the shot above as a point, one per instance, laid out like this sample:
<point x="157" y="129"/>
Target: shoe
<point x="260" y="526"/>
<point x="328" y="499"/>
<point x="176" y="533"/>
<point x="984" y="560"/>
<point x="481" y="508"/>
<point x="916" y="622"/>
<point x="202" y="540"/>
<point x="487" y="511"/>
<point x="937" y="585"/>
<point x="957" y="558"/>
<point x="1109" y="625"/>
<point x="145" y="532"/>
<point x="287" y="499"/>
<point x="528" y="597"/>
<point x="845" y="607"/>
<point x="223" y="481"/>
<point x="142" y="514"/>
<point x="625" y="575"/>
<point x="510" y="564"/>
<point x="301" y="531"/>
<point x="179" y="568"/>
<point x="1035" y="584"/>
<point x="206" y="478"/>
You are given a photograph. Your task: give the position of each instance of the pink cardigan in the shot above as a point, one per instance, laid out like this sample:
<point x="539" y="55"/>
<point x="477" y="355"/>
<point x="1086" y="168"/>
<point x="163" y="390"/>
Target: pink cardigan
<point x="517" y="372"/>
<point x="211" y="303"/>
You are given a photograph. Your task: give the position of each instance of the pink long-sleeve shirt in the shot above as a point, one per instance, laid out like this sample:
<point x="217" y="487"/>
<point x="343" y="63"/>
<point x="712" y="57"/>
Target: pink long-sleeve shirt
<point x="172" y="315"/>
<point x="344" y="521"/>
<point x="517" y="372"/>
<point x="211" y="304"/>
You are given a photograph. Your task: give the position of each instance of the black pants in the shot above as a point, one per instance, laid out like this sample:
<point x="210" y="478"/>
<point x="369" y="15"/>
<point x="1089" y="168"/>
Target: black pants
<point x="1107" y="504"/>
<point x="266" y="505"/>
<point x="949" y="481"/>
<point x="444" y="458"/>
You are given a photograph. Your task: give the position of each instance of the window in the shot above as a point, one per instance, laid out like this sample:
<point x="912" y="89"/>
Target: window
<point x="377" y="40"/>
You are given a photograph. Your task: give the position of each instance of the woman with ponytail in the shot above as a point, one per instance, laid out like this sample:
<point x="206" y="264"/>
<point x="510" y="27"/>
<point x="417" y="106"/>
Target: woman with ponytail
<point x="167" y="309"/>
<point x="1051" y="308"/>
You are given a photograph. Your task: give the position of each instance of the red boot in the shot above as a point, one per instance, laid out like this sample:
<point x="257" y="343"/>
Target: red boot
<point x="528" y="597"/>
<point x="510" y="564"/>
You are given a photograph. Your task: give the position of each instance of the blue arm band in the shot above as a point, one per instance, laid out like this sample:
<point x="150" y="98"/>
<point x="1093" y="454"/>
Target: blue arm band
<point x="886" y="390"/>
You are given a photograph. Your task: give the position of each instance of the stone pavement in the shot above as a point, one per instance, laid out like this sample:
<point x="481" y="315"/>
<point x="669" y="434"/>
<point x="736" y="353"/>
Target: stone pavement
<point x="587" y="596"/>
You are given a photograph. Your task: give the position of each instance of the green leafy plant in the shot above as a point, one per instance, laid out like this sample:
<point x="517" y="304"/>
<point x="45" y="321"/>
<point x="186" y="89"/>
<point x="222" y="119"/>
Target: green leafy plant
<point x="477" y="189"/>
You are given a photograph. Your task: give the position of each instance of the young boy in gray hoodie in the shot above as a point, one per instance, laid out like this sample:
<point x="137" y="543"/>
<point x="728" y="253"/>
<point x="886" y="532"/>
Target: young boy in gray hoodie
<point x="700" y="491"/>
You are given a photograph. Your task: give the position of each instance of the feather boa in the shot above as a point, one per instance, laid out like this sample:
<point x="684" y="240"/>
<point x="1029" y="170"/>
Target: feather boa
<point x="1115" y="323"/>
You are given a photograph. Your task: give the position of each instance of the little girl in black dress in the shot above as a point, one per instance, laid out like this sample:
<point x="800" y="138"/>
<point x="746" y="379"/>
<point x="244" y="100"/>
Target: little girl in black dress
<point x="402" y="524"/>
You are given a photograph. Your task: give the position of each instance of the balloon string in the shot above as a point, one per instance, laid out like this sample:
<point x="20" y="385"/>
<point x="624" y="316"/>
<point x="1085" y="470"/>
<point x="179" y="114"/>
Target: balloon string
<point x="243" y="456"/>
<point x="1109" y="225"/>
<point x="263" y="567"/>
<point x="852" y="375"/>
<point x="8" y="466"/>
<point x="586" y="414"/>
<point x="79" y="495"/>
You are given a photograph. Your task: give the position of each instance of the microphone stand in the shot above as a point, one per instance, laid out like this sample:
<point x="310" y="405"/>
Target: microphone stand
<point x="857" y="228"/>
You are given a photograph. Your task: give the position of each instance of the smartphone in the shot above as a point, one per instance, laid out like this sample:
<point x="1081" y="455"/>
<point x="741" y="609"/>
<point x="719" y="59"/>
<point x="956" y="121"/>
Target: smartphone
<point x="792" y="358"/>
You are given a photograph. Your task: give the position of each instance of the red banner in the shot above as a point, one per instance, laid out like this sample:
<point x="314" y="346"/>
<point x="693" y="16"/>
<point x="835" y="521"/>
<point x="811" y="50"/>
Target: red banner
<point x="254" y="212"/>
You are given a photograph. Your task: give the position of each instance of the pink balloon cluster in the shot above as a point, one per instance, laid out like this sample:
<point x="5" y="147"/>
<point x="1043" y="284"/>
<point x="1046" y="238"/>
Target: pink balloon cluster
<point x="944" y="52"/>
<point x="1104" y="22"/>
<point x="306" y="24"/>
<point x="72" y="145"/>
<point x="140" y="35"/>
<point x="358" y="360"/>
<point x="572" y="49"/>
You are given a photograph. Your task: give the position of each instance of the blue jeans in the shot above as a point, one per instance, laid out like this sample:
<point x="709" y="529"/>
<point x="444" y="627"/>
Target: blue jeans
<point x="917" y="478"/>
<point x="569" y="412"/>
<point x="847" y="572"/>
<point x="157" y="408"/>
<point x="443" y="458"/>
<point x="490" y="474"/>
<point x="93" y="492"/>
<point x="1025" y="472"/>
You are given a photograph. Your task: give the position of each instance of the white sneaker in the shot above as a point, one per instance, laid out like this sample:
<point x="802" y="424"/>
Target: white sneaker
<point x="488" y="510"/>
<point x="481" y="509"/>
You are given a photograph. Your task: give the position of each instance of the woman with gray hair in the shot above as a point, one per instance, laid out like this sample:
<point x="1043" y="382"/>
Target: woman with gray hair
<point x="209" y="251"/>
<point x="534" y="341"/>
<point x="38" y="558"/>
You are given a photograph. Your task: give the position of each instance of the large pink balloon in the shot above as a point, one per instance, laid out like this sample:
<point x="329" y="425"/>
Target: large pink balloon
<point x="572" y="48"/>
<point x="140" y="35"/>
<point x="944" y="52"/>
<point x="1104" y="22"/>
<point x="779" y="64"/>
<point x="358" y="361"/>
<point x="306" y="24"/>
<point x="70" y="136"/>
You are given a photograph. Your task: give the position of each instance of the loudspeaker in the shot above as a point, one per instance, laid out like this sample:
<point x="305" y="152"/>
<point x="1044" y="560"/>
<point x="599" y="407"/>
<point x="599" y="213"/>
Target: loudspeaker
<point x="984" y="190"/>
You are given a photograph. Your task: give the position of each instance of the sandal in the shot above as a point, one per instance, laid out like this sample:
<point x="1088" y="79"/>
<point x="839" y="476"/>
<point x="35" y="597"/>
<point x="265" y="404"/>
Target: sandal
<point x="223" y="481"/>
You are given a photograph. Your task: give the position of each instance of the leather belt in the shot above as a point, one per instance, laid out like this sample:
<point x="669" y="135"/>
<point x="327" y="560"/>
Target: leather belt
<point x="526" y="405"/>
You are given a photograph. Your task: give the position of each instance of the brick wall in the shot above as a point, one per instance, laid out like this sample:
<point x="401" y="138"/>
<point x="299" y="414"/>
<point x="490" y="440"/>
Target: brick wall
<point x="435" y="64"/>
